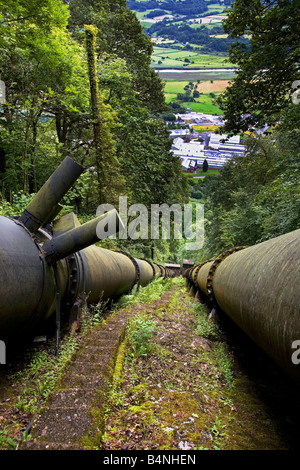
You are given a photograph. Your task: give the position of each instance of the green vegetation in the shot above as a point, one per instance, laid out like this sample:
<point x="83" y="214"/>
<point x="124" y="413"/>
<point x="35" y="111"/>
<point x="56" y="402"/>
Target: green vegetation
<point x="41" y="376"/>
<point x="156" y="394"/>
<point x="204" y="104"/>
<point x="253" y="198"/>
<point x="166" y="57"/>
<point x="109" y="180"/>
<point x="146" y="294"/>
<point x="186" y="392"/>
<point x="189" y="95"/>
<point x="263" y="89"/>
<point x="93" y="97"/>
<point x="42" y="367"/>
<point x="139" y="332"/>
<point x="256" y="197"/>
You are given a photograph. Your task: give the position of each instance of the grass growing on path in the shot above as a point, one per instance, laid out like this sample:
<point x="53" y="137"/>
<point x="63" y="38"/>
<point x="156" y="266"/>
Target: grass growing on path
<point x="177" y="383"/>
<point x="182" y="392"/>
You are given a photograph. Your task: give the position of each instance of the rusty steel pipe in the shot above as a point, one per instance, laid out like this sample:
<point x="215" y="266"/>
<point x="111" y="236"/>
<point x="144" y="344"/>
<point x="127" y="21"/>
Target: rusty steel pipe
<point x="259" y="289"/>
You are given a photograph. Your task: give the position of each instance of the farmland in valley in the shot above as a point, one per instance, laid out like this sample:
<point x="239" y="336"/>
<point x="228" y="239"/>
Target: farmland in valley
<point x="176" y="57"/>
<point x="204" y="99"/>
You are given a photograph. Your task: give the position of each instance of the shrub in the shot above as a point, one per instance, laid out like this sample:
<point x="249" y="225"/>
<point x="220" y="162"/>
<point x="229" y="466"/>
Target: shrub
<point x="139" y="332"/>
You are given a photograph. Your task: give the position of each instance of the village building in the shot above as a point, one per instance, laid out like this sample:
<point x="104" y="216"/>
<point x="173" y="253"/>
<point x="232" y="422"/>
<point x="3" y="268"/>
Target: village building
<point x="215" y="148"/>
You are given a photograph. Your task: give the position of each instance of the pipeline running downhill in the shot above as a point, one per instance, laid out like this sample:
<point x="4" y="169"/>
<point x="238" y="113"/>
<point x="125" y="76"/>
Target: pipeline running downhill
<point x="258" y="287"/>
<point x="50" y="264"/>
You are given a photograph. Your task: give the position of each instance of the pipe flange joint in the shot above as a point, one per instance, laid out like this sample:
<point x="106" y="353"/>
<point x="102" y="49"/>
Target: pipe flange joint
<point x="196" y="270"/>
<point x="151" y="264"/>
<point x="137" y="268"/>
<point x="213" y="268"/>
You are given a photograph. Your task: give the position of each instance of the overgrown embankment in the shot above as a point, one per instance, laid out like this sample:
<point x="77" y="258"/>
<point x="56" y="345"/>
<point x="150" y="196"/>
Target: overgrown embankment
<point x="179" y="385"/>
<point x="157" y="373"/>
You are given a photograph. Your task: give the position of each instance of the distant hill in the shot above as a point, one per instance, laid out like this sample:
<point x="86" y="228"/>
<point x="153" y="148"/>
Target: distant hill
<point x="194" y="24"/>
<point x="182" y="7"/>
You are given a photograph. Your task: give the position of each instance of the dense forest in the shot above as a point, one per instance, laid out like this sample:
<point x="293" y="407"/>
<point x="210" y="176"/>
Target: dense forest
<point x="50" y="52"/>
<point x="183" y="7"/>
<point x="257" y="197"/>
<point x="200" y="36"/>
<point x="47" y="112"/>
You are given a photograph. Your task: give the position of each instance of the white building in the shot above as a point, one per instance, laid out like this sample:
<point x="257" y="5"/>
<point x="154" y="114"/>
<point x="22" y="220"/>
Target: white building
<point x="220" y="139"/>
<point x="179" y="133"/>
<point x="181" y="148"/>
<point x="224" y="144"/>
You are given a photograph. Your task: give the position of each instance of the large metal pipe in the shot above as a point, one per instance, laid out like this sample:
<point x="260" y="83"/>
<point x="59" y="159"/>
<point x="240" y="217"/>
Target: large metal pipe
<point x="80" y="236"/>
<point x="27" y="280"/>
<point x="105" y="274"/>
<point x="27" y="285"/>
<point x="258" y="288"/>
<point x="45" y="204"/>
<point x="146" y="272"/>
<point x="37" y="263"/>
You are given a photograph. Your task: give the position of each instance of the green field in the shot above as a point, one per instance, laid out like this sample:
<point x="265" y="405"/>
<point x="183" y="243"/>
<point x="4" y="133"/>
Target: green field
<point x="216" y="7"/>
<point x="205" y="103"/>
<point x="178" y="64"/>
<point x="167" y="57"/>
<point x="202" y="105"/>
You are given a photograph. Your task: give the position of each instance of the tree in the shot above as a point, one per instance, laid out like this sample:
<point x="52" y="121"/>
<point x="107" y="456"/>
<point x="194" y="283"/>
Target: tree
<point x="37" y="64"/>
<point x="121" y="35"/>
<point x="44" y="14"/>
<point x="112" y="128"/>
<point x="255" y="197"/>
<point x="205" y="166"/>
<point x="106" y="163"/>
<point x="267" y="68"/>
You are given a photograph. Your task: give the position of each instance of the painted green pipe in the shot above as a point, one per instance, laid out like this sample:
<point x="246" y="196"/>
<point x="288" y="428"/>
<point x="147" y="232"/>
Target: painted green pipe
<point x="259" y="289"/>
